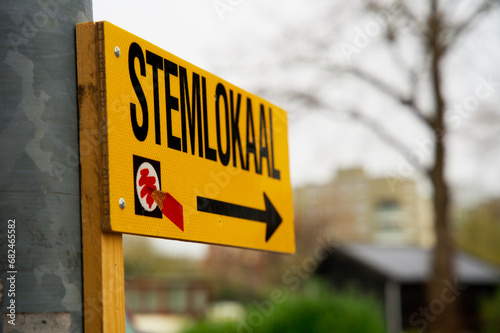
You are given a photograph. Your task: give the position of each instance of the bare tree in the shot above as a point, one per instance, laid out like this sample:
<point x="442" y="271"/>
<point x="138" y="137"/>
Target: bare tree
<point x="436" y="33"/>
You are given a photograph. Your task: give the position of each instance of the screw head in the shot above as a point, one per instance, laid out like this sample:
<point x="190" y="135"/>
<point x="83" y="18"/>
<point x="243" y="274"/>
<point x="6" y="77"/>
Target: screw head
<point x="117" y="51"/>
<point x="122" y="203"/>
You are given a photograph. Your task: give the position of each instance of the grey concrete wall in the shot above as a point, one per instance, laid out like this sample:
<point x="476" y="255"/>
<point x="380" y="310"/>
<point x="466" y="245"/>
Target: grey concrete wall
<point x="39" y="163"/>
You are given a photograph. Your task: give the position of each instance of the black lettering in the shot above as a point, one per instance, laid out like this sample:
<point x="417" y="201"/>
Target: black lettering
<point x="264" y="151"/>
<point x="235" y="129"/>
<point x="192" y="109"/>
<point x="221" y="91"/>
<point x="210" y="153"/>
<point x="135" y="52"/>
<point x="172" y="103"/>
<point x="157" y="63"/>
<point x="251" y="143"/>
<point x="276" y="172"/>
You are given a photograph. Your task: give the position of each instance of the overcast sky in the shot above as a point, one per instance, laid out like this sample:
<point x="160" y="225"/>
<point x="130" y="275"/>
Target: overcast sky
<point x="245" y="42"/>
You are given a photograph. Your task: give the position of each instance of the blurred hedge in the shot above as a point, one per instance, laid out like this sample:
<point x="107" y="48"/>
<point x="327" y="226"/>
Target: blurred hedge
<point x="315" y="310"/>
<point x="490" y="314"/>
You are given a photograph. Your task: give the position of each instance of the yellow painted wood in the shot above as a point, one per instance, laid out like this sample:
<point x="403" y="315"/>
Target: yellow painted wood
<point x="246" y="135"/>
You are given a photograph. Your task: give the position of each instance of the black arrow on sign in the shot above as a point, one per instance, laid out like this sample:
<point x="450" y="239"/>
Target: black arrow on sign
<point x="270" y="215"/>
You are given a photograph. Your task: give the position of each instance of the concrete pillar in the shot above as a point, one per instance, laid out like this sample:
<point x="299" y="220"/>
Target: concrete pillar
<point x="39" y="164"/>
<point x="393" y="307"/>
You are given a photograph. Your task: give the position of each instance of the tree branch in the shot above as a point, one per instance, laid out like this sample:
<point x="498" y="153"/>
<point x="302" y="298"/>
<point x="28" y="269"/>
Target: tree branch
<point x="390" y="140"/>
<point x="312" y="101"/>
<point x="391" y="92"/>
<point x="462" y="27"/>
<point x="419" y="26"/>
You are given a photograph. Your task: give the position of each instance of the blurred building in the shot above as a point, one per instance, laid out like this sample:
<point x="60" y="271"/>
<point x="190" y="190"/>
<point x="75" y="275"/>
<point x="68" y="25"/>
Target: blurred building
<point x="356" y="207"/>
<point x="477" y="228"/>
<point x="397" y="276"/>
<point x="165" y="305"/>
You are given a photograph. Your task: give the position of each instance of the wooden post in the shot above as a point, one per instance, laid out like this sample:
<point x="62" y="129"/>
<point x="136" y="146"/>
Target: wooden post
<point x="103" y="275"/>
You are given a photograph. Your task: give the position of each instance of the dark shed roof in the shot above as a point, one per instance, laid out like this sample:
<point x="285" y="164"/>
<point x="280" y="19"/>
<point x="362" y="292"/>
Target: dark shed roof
<point x="412" y="264"/>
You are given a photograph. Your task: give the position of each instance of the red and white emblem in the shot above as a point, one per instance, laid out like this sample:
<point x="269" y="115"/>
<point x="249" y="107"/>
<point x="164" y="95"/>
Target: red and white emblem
<point x="146" y="181"/>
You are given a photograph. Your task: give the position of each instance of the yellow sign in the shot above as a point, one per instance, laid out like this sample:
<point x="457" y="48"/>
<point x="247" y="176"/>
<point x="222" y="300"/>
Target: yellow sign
<point x="191" y="156"/>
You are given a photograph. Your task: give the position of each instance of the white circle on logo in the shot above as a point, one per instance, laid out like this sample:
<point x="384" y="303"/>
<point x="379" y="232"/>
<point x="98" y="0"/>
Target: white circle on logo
<point x="139" y="188"/>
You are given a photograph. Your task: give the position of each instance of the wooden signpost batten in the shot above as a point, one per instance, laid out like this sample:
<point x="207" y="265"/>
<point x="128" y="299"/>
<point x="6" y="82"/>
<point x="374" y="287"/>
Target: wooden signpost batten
<point x="103" y="272"/>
